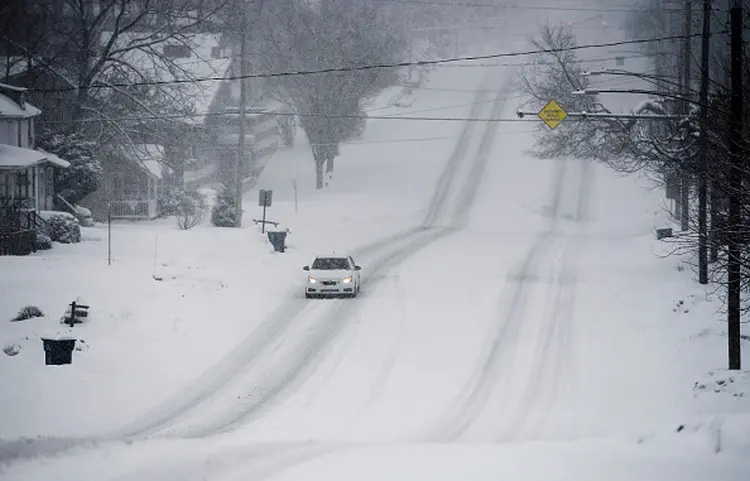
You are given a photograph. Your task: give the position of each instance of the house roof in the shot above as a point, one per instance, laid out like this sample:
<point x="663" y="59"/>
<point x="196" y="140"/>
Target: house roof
<point x="148" y="157"/>
<point x="199" y="65"/>
<point x="12" y="157"/>
<point x="11" y="105"/>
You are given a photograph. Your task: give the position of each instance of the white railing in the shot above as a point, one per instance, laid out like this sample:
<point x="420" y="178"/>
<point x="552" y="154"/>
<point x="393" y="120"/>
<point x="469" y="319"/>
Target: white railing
<point x="134" y="209"/>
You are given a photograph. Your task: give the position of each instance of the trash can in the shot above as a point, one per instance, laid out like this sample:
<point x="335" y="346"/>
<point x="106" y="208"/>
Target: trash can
<point x="58" y="351"/>
<point x="277" y="240"/>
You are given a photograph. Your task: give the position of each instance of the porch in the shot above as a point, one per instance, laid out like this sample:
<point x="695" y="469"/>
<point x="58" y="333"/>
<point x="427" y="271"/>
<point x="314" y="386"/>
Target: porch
<point x="28" y="176"/>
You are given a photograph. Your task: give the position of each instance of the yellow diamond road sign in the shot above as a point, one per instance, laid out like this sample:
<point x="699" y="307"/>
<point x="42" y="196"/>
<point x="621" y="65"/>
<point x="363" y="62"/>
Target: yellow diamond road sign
<point x="552" y="114"/>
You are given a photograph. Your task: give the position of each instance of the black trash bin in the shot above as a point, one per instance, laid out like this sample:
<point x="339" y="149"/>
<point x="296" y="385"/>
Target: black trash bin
<point x="58" y="351"/>
<point x="277" y="240"/>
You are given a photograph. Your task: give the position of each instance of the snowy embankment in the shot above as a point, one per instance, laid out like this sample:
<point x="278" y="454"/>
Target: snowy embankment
<point x="146" y="338"/>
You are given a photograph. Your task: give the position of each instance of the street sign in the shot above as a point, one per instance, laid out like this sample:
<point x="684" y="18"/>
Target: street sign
<point x="552" y="114"/>
<point x="265" y="197"/>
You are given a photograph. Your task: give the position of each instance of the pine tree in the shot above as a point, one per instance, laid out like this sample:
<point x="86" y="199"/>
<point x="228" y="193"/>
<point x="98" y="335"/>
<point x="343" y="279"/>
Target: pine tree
<point x="223" y="213"/>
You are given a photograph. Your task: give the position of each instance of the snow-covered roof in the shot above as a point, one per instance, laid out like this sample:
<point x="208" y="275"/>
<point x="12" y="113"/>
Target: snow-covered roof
<point x="201" y="63"/>
<point x="12" y="108"/>
<point x="149" y="157"/>
<point x="12" y="157"/>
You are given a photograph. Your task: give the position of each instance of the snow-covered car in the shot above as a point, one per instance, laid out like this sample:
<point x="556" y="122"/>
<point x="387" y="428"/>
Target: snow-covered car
<point x="332" y="276"/>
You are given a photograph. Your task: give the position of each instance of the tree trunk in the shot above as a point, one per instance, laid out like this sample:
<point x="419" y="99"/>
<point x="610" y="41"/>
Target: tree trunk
<point x="713" y="255"/>
<point x="319" y="173"/>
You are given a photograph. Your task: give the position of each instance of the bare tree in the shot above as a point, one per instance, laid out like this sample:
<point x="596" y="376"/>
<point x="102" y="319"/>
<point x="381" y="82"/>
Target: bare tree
<point x="117" y="66"/>
<point x="658" y="148"/>
<point x="328" y="34"/>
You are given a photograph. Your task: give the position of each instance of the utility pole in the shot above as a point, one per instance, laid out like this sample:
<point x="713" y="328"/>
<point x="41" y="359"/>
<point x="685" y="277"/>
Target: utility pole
<point x="686" y="91"/>
<point x="703" y="153"/>
<point x="243" y="105"/>
<point x="735" y="231"/>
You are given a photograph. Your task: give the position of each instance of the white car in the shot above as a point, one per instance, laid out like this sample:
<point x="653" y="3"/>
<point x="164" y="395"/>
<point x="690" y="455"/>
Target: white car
<point x="332" y="276"/>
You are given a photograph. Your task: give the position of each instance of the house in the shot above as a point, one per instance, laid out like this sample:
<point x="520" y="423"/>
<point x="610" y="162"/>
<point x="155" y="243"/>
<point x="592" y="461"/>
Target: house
<point x="27" y="175"/>
<point x="190" y="148"/>
<point x="137" y="186"/>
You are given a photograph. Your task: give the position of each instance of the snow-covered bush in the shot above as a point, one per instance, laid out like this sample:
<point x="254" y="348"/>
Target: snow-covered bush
<point x="223" y="213"/>
<point x="43" y="241"/>
<point x="84" y="174"/>
<point x="62" y="227"/>
<point x="27" y="312"/>
<point x="12" y="349"/>
<point x="191" y="211"/>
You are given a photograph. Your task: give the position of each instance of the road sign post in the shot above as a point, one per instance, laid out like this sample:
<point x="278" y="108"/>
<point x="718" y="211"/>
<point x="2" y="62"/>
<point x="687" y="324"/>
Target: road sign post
<point x="265" y="197"/>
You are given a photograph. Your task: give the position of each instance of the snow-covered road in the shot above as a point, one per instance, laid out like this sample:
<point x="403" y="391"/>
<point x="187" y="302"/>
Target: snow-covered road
<point x="496" y="329"/>
<point x="300" y="334"/>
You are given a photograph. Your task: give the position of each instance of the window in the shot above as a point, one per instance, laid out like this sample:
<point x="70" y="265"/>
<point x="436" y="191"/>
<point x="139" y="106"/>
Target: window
<point x="215" y="52"/>
<point x="3" y="185"/>
<point x="50" y="178"/>
<point x="177" y="51"/>
<point x="331" y="264"/>
<point x="22" y="184"/>
<point x="32" y="136"/>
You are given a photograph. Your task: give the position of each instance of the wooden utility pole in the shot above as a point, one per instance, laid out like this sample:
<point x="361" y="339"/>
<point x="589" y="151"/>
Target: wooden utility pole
<point x="735" y="230"/>
<point x="703" y="153"/>
<point x="243" y="105"/>
<point x="686" y="91"/>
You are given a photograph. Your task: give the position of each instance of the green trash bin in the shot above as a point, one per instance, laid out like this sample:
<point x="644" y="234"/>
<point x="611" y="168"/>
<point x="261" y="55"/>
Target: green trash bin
<point x="277" y="239"/>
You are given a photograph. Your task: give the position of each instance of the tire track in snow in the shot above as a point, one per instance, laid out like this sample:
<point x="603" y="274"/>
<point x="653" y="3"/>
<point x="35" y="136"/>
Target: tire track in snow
<point x="308" y="356"/>
<point x="473" y="398"/>
<point x="472" y="401"/>
<point x="551" y="376"/>
<point x="376" y="390"/>
<point x="543" y="378"/>
<point x="255" y="462"/>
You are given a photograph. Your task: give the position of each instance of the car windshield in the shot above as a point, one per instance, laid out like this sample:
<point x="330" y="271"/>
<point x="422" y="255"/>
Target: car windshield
<point x="331" y="263"/>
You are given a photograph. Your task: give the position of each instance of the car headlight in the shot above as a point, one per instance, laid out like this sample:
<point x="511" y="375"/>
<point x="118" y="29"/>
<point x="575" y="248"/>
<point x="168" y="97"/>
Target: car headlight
<point x="311" y="280"/>
<point x="347" y="280"/>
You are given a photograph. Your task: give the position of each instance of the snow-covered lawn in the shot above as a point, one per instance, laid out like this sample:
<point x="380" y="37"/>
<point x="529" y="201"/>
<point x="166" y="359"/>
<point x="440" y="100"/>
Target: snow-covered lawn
<point x="146" y="338"/>
<point x="531" y="331"/>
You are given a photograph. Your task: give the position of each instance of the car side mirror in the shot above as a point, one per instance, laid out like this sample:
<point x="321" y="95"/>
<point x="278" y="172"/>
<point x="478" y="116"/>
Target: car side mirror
<point x="306" y="268"/>
<point x="357" y="268"/>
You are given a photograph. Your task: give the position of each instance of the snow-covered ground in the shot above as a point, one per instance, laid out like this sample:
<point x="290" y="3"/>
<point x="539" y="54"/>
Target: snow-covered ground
<point x="516" y="320"/>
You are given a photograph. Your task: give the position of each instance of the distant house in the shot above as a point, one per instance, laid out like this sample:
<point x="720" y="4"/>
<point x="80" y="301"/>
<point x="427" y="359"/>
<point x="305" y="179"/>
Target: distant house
<point x="136" y="186"/>
<point x="27" y="175"/>
<point x="198" y="144"/>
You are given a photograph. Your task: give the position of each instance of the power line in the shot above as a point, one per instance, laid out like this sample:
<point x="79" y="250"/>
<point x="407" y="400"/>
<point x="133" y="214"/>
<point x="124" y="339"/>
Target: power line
<point x="370" y="67"/>
<point x="292" y="114"/>
<point x="614" y="9"/>
<point x="534" y="63"/>
<point x="421" y="139"/>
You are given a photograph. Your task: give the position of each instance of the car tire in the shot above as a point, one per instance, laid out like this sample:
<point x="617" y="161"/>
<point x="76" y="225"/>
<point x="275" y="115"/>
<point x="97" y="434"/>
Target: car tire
<point x="308" y="296"/>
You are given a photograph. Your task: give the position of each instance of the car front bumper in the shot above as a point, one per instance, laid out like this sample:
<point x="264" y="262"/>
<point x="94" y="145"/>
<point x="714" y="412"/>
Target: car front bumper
<point x="329" y="288"/>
